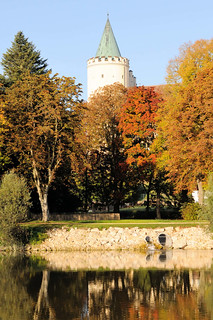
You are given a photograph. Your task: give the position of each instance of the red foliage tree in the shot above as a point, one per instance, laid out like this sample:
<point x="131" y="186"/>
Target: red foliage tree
<point x="137" y="123"/>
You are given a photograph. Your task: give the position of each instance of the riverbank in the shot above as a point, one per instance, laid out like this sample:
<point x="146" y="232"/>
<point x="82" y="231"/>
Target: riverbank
<point x="115" y="238"/>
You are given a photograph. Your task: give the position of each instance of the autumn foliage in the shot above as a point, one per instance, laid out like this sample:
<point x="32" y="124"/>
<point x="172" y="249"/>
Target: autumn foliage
<point x="137" y="124"/>
<point x="101" y="157"/>
<point x="41" y="116"/>
<point x="120" y="138"/>
<point x="186" y="118"/>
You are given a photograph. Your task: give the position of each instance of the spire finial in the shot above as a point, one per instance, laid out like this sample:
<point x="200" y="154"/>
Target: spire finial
<point x="108" y="46"/>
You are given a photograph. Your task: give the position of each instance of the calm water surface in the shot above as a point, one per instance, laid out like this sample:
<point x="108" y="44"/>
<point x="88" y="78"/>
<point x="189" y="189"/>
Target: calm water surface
<point x="78" y="286"/>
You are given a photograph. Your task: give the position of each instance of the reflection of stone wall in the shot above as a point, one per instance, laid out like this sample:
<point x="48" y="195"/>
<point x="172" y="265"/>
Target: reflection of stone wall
<point x="124" y="238"/>
<point x="114" y="260"/>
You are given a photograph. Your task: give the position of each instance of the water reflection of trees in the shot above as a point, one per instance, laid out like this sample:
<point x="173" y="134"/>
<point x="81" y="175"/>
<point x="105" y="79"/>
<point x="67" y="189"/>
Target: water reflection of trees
<point x="142" y="291"/>
<point x="147" y="294"/>
<point x="68" y="294"/>
<point x="28" y="292"/>
<point x="16" y="303"/>
<point x="159" y="285"/>
<point x="43" y="309"/>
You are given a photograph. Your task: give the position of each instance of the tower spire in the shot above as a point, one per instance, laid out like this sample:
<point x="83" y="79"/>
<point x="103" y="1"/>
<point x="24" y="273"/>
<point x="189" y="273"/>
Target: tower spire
<point x="108" y="45"/>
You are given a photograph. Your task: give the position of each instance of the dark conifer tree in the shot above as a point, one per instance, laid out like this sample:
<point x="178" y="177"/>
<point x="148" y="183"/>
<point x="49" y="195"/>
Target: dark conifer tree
<point x="22" y="57"/>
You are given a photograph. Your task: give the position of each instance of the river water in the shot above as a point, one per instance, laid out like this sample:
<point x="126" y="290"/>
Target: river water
<point x="107" y="285"/>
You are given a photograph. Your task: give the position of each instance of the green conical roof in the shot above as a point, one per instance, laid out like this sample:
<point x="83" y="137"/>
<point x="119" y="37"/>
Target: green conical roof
<point x="108" y="45"/>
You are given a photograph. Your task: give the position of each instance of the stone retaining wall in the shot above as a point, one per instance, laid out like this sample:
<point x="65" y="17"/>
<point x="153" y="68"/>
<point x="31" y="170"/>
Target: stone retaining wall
<point x="114" y="238"/>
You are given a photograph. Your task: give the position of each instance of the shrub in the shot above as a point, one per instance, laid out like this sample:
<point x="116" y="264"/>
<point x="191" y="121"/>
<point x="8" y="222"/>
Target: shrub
<point x="190" y="211"/>
<point x="14" y="206"/>
<point x="207" y="212"/>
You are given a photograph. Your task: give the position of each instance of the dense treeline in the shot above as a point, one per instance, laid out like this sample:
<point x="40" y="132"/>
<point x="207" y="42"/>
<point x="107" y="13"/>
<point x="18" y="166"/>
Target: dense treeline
<point x="120" y="144"/>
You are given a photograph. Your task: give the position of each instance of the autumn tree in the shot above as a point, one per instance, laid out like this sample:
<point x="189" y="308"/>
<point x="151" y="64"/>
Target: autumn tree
<point x="4" y="159"/>
<point x="104" y="161"/>
<point x="137" y="124"/>
<point x="42" y="116"/>
<point x="186" y="118"/>
<point x="22" y="57"/>
<point x="192" y="57"/>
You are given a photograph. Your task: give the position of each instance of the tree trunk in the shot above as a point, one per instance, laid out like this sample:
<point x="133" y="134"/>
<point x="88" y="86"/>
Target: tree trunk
<point x="44" y="206"/>
<point x="116" y="207"/>
<point x="42" y="190"/>
<point x="200" y="192"/>
<point x="148" y="194"/>
<point x="158" y="215"/>
<point x="116" y="201"/>
<point x="147" y="200"/>
<point x="86" y="191"/>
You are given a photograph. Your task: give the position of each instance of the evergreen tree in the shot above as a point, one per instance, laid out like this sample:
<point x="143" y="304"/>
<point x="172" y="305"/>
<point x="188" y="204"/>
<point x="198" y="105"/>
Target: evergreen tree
<point x="22" y="57"/>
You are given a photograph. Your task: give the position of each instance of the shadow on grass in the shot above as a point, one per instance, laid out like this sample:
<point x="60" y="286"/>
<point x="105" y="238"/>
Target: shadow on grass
<point x="141" y="213"/>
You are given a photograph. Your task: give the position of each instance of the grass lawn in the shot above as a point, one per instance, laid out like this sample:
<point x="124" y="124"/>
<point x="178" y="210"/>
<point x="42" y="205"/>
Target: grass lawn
<point x="126" y="223"/>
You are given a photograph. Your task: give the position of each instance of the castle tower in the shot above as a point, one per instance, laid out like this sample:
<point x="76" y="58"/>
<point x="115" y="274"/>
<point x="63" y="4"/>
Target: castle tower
<point x="108" y="66"/>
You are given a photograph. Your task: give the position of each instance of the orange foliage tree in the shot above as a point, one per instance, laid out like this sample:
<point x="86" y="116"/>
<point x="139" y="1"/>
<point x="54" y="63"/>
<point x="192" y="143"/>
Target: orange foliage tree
<point x="186" y="118"/>
<point x="137" y="123"/>
<point x="41" y="118"/>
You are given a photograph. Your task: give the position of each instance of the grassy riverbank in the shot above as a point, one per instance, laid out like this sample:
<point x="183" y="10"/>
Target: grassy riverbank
<point x="86" y="236"/>
<point x="36" y="230"/>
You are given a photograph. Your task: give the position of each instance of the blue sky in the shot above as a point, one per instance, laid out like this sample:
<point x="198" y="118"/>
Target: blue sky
<point x="68" y="32"/>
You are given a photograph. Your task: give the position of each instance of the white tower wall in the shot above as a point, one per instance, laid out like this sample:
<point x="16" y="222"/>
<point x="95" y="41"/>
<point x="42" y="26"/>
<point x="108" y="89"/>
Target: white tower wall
<point x="105" y="71"/>
<point x="132" y="79"/>
<point x="108" y="66"/>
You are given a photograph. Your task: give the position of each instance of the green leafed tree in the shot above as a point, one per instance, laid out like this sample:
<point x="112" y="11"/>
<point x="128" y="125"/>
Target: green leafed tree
<point x="207" y="210"/>
<point x="22" y="57"/>
<point x="14" y="205"/>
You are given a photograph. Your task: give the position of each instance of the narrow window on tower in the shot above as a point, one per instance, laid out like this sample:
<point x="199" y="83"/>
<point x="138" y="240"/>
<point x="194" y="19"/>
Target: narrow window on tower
<point x="102" y="76"/>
